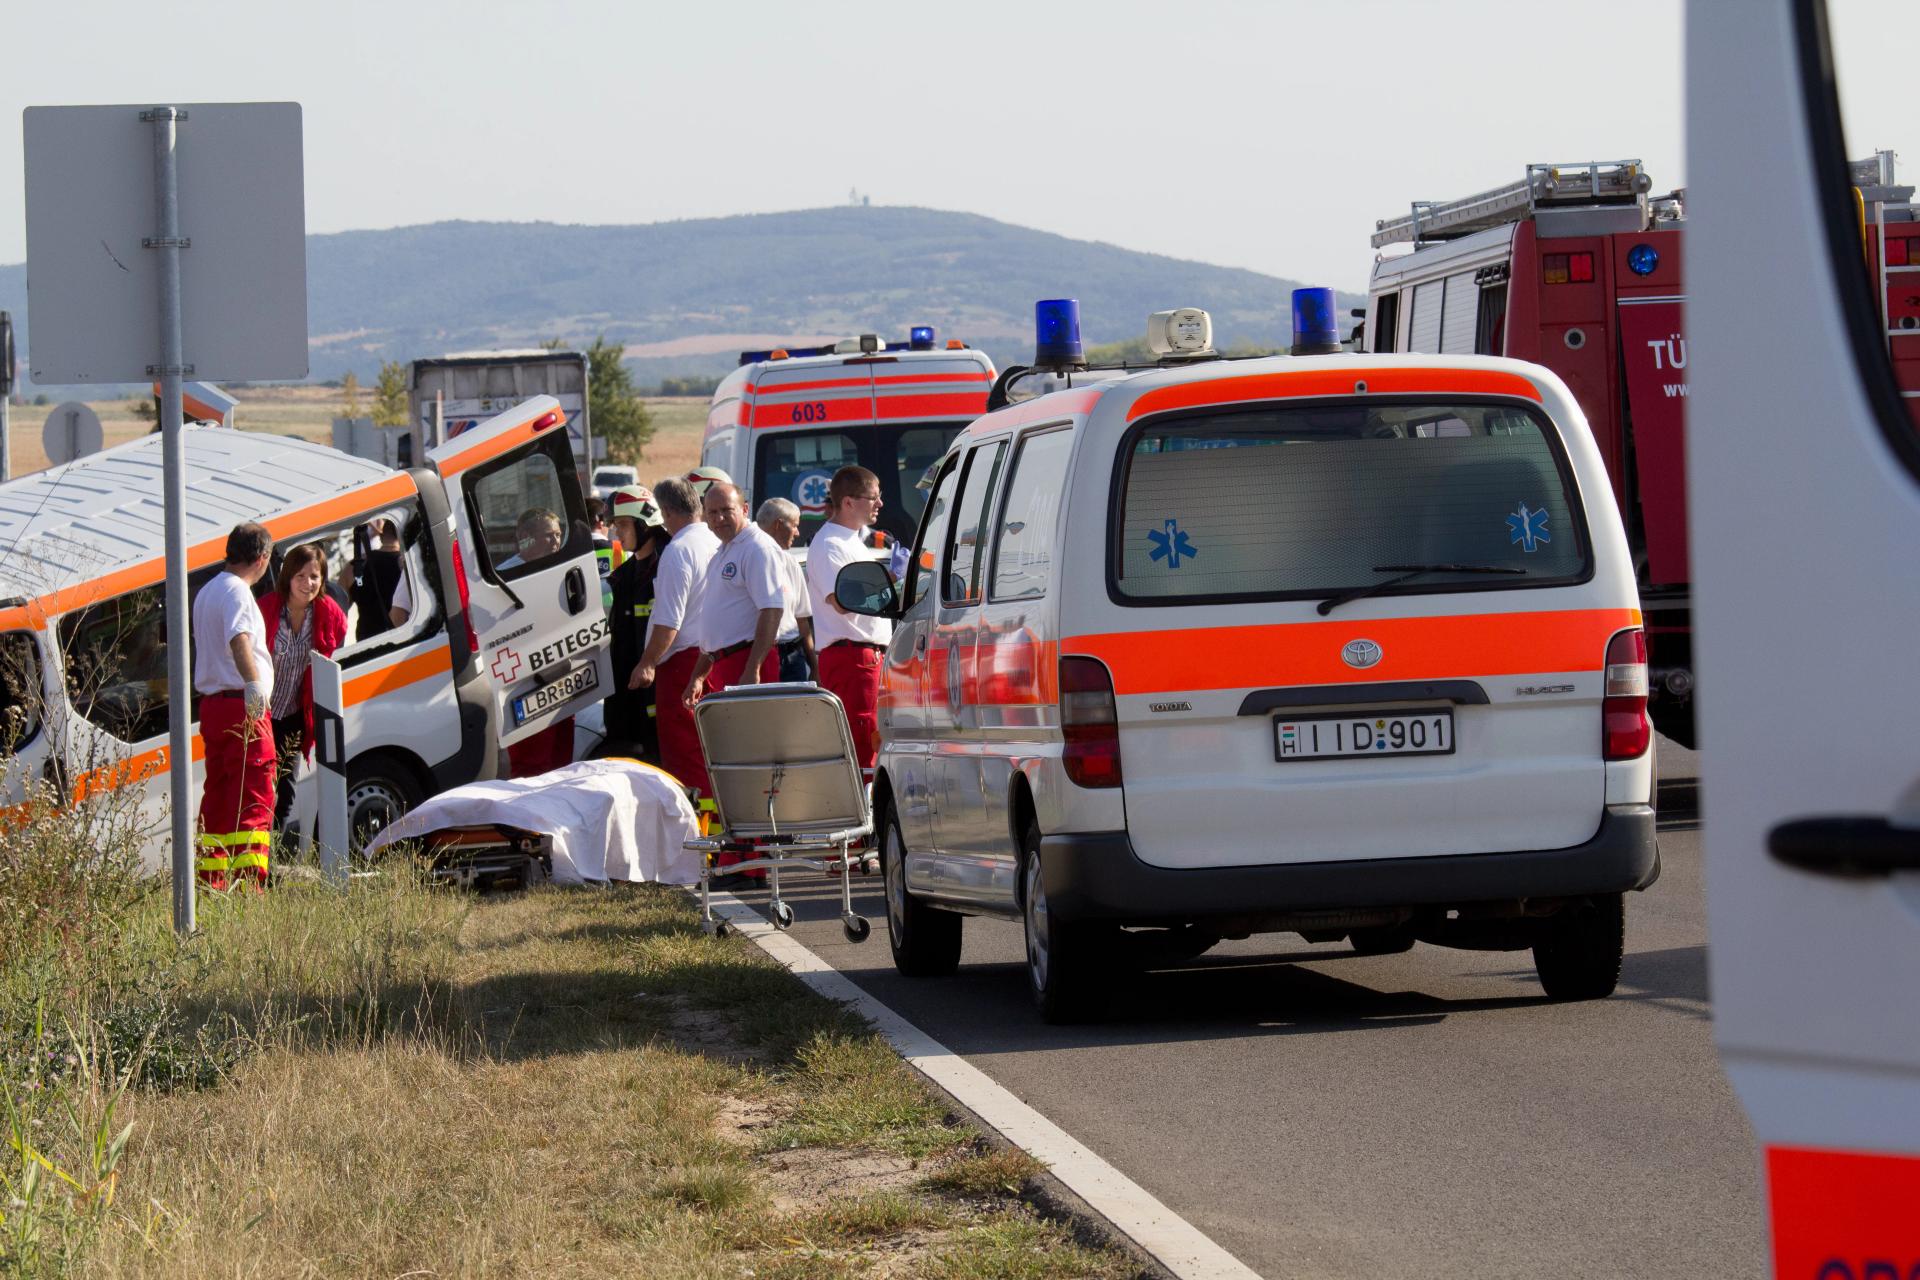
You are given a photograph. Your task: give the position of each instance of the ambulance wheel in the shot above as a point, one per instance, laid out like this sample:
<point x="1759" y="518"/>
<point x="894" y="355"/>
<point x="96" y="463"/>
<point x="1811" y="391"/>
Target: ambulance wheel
<point x="925" y="940"/>
<point x="1578" y="955"/>
<point x="381" y="789"/>
<point x="1060" y="953"/>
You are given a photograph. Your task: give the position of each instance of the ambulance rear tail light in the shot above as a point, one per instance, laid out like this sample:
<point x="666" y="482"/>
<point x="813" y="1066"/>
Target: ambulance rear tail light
<point x="1089" y="722"/>
<point x="1567" y="268"/>
<point x="1903" y="251"/>
<point x="1625" y="730"/>
<point x="466" y="604"/>
<point x="551" y="418"/>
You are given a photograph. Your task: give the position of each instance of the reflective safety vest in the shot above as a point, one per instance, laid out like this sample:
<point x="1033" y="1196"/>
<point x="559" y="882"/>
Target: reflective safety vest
<point x="610" y="556"/>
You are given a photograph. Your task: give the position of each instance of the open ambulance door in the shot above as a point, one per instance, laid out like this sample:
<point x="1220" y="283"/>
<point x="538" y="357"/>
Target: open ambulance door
<point x="532" y="586"/>
<point x="1804" y="476"/>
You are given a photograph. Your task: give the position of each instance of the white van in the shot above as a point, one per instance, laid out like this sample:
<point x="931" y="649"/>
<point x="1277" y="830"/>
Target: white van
<point x="787" y="419"/>
<point x="1346" y="646"/>
<point x="491" y="652"/>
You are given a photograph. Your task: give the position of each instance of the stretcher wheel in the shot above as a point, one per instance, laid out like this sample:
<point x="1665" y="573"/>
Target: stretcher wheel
<point x="782" y="916"/>
<point x="856" y="928"/>
<point x="715" y="928"/>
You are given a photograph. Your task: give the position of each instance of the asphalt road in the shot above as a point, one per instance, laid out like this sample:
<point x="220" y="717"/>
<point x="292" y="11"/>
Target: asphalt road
<point x="1322" y="1114"/>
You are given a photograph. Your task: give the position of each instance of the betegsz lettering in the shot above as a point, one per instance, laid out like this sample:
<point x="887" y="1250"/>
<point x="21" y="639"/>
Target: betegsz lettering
<point x="567" y="646"/>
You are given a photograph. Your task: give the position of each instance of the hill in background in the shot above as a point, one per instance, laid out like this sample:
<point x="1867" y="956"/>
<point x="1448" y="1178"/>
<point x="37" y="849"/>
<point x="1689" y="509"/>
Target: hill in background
<point x="685" y="297"/>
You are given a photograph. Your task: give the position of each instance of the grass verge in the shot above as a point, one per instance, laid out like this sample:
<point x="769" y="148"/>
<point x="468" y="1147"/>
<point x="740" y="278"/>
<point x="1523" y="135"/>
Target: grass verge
<point x="397" y="1079"/>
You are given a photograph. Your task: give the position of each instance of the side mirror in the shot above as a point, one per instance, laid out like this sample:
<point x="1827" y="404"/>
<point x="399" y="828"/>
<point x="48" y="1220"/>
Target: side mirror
<point x="866" y="587"/>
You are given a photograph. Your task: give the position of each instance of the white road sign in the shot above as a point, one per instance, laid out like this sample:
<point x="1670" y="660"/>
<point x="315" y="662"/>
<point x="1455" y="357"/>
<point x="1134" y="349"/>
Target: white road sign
<point x="71" y="431"/>
<point x="93" y="287"/>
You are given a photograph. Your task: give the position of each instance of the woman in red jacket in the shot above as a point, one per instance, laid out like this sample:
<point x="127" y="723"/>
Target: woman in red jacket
<point x="301" y="621"/>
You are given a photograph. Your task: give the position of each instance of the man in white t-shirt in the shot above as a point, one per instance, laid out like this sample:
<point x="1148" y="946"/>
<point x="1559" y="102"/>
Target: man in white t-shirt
<point x="673" y="632"/>
<point x="742" y="602"/>
<point x="781" y="520"/>
<point x="850" y="645"/>
<point x="233" y="674"/>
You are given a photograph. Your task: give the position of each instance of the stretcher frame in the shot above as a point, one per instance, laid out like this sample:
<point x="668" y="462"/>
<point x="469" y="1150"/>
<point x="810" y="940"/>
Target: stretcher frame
<point x="786" y="784"/>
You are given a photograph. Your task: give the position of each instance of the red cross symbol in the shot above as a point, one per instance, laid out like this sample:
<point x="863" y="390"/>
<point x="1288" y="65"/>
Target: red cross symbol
<point x="506" y="665"/>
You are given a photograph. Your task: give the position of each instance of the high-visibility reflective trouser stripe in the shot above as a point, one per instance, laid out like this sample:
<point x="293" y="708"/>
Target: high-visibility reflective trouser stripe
<point x="236" y="806"/>
<point x="233" y="852"/>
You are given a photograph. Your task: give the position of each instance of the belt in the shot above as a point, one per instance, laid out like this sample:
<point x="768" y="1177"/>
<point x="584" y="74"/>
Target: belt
<point x="859" y="644"/>
<point x="732" y="649"/>
<point x="785" y="645"/>
<point x="224" y="693"/>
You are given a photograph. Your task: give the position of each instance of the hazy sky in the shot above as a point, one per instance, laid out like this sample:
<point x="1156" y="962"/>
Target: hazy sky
<point x="1263" y="135"/>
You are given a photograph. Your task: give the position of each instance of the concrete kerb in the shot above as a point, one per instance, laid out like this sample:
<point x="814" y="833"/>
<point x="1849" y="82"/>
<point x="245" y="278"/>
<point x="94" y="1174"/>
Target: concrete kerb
<point x="1080" y="1183"/>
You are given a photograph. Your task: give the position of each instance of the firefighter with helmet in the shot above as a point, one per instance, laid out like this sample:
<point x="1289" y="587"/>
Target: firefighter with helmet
<point x="640" y="532"/>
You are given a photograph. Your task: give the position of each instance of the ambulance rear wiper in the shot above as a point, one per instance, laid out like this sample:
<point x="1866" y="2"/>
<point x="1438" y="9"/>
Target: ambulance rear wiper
<point x="1406" y="573"/>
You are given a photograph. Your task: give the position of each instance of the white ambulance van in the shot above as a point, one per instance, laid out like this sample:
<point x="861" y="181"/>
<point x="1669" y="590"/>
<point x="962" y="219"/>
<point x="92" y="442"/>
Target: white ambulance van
<point x="500" y="640"/>
<point x="1803" y="471"/>
<point x="784" y="421"/>
<point x="1340" y="645"/>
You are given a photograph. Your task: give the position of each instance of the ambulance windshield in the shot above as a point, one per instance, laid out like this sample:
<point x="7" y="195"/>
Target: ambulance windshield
<point x="1306" y="501"/>
<point x="799" y="465"/>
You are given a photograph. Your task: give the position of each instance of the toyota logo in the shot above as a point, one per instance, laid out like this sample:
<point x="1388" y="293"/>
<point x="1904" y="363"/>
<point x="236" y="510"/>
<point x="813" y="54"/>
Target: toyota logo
<point x="1360" y="653"/>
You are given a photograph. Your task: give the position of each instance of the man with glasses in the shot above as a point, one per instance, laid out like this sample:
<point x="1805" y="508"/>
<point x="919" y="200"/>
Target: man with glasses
<point x="850" y="645"/>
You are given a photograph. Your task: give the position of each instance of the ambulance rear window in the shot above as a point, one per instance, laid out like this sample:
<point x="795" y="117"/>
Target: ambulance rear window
<point x="1310" y="500"/>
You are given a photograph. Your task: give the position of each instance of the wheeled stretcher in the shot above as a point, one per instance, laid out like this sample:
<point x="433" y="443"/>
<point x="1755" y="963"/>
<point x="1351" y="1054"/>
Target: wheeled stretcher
<point x="788" y="791"/>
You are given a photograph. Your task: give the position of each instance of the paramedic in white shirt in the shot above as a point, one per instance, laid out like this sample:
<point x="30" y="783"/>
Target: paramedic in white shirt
<point x="673" y="632"/>
<point x="781" y="520"/>
<point x="233" y="674"/>
<point x="849" y="645"/>
<point x="742" y="602"/>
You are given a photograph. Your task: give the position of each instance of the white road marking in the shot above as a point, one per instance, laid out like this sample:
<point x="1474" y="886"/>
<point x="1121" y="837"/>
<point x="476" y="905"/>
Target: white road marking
<point x="1174" y="1242"/>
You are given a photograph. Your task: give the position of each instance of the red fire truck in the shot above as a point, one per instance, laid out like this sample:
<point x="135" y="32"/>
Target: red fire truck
<point x="1579" y="268"/>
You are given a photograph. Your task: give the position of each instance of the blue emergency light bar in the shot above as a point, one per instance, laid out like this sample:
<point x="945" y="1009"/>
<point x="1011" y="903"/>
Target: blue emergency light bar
<point x="1316" y="329"/>
<point x="1056" y="334"/>
<point x="921" y="338"/>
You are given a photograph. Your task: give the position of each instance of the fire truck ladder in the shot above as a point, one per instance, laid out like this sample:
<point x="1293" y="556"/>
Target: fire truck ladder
<point x="1873" y="183"/>
<point x="1589" y="182"/>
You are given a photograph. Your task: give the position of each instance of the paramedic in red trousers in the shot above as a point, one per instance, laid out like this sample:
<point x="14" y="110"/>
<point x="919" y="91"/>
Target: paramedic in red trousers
<point x="849" y="644"/>
<point x="743" y="602"/>
<point x="667" y="663"/>
<point x="233" y="673"/>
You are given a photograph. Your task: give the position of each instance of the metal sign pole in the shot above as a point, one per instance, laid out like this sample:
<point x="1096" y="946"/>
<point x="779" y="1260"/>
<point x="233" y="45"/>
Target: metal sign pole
<point x="6" y="396"/>
<point x="330" y="833"/>
<point x="171" y="369"/>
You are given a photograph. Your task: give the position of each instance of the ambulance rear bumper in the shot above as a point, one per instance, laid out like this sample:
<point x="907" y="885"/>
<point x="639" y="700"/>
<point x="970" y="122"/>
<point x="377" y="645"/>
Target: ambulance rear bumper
<point x="1097" y="876"/>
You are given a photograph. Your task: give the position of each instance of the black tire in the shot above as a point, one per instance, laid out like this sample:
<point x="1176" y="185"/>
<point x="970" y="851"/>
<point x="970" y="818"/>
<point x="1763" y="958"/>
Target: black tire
<point x="925" y="940"/>
<point x="1061" y="954"/>
<point x="381" y="789"/>
<point x="1383" y="940"/>
<point x="1578" y="953"/>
